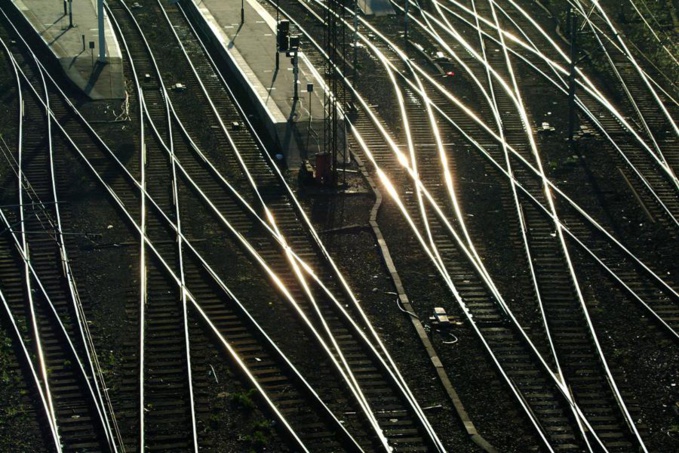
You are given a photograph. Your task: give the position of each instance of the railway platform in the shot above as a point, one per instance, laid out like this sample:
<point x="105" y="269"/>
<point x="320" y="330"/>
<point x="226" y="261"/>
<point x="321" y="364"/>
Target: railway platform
<point x="72" y="36"/>
<point x="295" y="123"/>
<point x="293" y="118"/>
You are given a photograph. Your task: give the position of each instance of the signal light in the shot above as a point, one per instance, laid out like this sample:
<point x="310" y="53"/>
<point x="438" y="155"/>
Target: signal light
<point x="283" y="35"/>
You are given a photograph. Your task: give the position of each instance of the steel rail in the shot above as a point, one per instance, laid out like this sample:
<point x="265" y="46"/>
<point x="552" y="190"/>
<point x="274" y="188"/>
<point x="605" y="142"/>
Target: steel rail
<point x="107" y="418"/>
<point x="352" y="381"/>
<point x="394" y="373"/>
<point x="149" y="244"/>
<point x="620" y="281"/>
<point x="174" y="158"/>
<point x="395" y="148"/>
<point x="45" y="395"/>
<point x="595" y="120"/>
<point x="175" y="196"/>
<point x="617" y="73"/>
<point x="34" y="374"/>
<point x="385" y="355"/>
<point x="414" y="404"/>
<point x="24" y="250"/>
<point x="253" y="252"/>
<point x="195" y="303"/>
<point x="95" y="393"/>
<point x="517" y="204"/>
<point x="590" y="89"/>
<point x="515" y="196"/>
<point x="146" y="115"/>
<point x="446" y="277"/>
<point x="664" y="91"/>
<point x="492" y="102"/>
<point x="653" y="32"/>
<point x="590" y="219"/>
<point x="33" y="274"/>
<point x="631" y="58"/>
<point x="564" y="248"/>
<point x="494" y="108"/>
<point x="553" y="186"/>
<point x="587" y="217"/>
<point x="121" y="205"/>
<point x="629" y="95"/>
<point x="195" y="186"/>
<point x="143" y="270"/>
<point x="303" y="265"/>
<point x="366" y="107"/>
<point x="556" y="379"/>
<point x="530" y="166"/>
<point x="349" y="378"/>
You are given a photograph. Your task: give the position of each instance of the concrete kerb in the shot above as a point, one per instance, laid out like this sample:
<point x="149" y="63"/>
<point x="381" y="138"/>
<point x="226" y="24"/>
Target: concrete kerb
<point x="235" y="61"/>
<point x="286" y="133"/>
<point x="417" y="324"/>
<point x="96" y="80"/>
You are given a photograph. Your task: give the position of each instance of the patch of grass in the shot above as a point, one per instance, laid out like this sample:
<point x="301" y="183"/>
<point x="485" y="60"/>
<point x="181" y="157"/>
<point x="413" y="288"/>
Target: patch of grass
<point x="243" y="400"/>
<point x="259" y="437"/>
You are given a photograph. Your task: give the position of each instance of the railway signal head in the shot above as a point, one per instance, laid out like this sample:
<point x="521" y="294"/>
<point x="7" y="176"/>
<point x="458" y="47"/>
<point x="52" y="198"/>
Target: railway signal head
<point x="283" y="35"/>
<point x="294" y="42"/>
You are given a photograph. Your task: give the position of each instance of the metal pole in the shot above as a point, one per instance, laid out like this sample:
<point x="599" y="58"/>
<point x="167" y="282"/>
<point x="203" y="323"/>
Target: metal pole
<point x="295" y="76"/>
<point x="102" y="38"/>
<point x="571" y="81"/>
<point x="405" y="34"/>
<point x="353" y="80"/>
<point x="277" y="25"/>
<point x="70" y="13"/>
<point x="242" y="12"/>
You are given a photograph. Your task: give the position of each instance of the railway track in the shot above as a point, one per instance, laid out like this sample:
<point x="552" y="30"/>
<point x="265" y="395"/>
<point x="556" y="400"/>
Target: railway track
<point x="286" y="220"/>
<point x="49" y="304"/>
<point x="200" y="188"/>
<point x="565" y="335"/>
<point x="516" y="359"/>
<point x="234" y="328"/>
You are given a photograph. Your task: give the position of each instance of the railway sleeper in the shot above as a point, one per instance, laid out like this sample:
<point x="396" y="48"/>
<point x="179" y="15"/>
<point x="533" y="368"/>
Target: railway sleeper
<point x="83" y="446"/>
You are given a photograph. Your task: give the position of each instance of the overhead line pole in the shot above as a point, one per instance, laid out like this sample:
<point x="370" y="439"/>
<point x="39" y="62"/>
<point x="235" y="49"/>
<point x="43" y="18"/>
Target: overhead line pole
<point x="102" y="38"/>
<point x="571" y="81"/>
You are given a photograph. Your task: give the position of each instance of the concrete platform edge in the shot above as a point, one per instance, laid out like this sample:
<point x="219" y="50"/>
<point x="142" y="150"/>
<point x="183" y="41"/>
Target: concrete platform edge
<point x="416" y="323"/>
<point x="98" y="81"/>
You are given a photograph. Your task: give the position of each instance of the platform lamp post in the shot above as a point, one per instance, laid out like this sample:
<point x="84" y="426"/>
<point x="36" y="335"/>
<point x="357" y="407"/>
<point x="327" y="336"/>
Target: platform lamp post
<point x="294" y="48"/>
<point x="70" y="13"/>
<point x="278" y="20"/>
<point x="102" y="38"/>
<point x="242" y="11"/>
